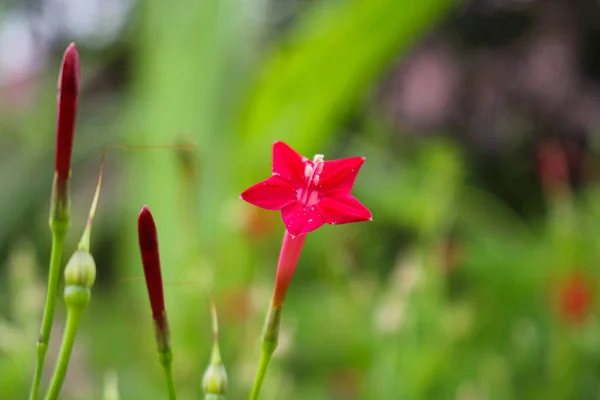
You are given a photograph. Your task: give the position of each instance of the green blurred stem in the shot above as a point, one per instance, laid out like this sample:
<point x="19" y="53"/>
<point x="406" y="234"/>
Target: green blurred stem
<point x="270" y="339"/>
<point x="58" y="240"/>
<point x="72" y="325"/>
<point x="166" y="359"/>
<point x="265" y="358"/>
<point x="111" y="386"/>
<point x="211" y="396"/>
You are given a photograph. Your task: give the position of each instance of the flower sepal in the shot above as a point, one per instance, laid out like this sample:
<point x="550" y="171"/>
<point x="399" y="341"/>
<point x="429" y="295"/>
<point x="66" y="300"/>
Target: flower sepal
<point x="270" y="333"/>
<point x="60" y="206"/>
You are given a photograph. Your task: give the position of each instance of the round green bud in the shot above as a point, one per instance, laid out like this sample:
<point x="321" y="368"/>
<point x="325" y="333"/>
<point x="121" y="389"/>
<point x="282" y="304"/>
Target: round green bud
<point x="80" y="270"/>
<point x="215" y="379"/>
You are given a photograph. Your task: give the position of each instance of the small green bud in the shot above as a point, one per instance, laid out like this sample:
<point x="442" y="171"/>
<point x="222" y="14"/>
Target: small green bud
<point x="80" y="270"/>
<point x="215" y="376"/>
<point x="215" y="379"/>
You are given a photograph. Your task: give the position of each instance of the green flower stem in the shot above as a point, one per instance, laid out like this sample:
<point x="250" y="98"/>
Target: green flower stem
<point x="111" y="386"/>
<point x="265" y="358"/>
<point x="270" y="339"/>
<point x="74" y="312"/>
<point x="166" y="360"/>
<point x="165" y="355"/>
<point x="211" y="396"/>
<point x="58" y="240"/>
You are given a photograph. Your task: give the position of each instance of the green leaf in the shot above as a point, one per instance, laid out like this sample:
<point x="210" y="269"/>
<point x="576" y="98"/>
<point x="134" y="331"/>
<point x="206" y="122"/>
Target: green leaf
<point x="327" y="65"/>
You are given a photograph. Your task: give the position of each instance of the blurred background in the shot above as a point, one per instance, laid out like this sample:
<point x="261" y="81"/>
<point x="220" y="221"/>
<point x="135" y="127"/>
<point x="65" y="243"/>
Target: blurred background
<point x="477" y="278"/>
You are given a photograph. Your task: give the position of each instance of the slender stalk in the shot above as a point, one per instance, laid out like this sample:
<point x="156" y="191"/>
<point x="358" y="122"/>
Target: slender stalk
<point x="265" y="358"/>
<point x="291" y="248"/>
<point x="80" y="274"/>
<point x="166" y="359"/>
<point x="270" y="339"/>
<point x="58" y="239"/>
<point x="111" y="386"/>
<point x="73" y="318"/>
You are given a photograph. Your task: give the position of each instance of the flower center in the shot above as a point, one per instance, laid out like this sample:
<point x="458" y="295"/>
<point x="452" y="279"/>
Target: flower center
<point x="312" y="171"/>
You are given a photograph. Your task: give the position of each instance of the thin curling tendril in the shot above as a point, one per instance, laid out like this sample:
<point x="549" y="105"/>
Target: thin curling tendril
<point x="84" y="243"/>
<point x="191" y="284"/>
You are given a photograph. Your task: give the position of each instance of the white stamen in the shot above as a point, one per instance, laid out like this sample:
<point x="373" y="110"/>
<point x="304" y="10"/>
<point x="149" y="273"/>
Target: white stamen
<point x="318" y="161"/>
<point x="308" y="170"/>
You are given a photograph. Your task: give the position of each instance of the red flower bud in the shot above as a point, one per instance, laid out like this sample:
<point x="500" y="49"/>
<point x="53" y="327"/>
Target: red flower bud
<point x="151" y="260"/>
<point x="68" y="90"/>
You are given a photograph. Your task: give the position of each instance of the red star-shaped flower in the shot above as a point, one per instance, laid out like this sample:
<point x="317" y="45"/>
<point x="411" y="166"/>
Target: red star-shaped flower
<point x="309" y="193"/>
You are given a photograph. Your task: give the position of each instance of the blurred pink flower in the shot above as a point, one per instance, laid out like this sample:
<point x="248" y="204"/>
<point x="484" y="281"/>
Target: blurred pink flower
<point x="309" y="193"/>
<point x="553" y="168"/>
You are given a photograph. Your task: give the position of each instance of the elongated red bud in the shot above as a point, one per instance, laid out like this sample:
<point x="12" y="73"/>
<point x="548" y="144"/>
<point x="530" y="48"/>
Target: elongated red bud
<point x="68" y="91"/>
<point x="148" y="239"/>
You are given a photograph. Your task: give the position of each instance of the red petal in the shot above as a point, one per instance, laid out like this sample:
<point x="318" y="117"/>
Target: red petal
<point x="273" y="193"/>
<point x="288" y="164"/>
<point x="342" y="208"/>
<point x="339" y="175"/>
<point x="299" y="219"/>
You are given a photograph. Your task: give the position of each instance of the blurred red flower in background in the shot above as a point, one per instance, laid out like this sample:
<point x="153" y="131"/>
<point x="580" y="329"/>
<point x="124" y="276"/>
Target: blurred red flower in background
<point x="575" y="297"/>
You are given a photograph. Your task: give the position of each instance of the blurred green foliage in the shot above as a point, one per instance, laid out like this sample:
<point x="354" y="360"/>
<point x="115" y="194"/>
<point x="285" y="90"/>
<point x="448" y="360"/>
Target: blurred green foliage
<point x="447" y="294"/>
